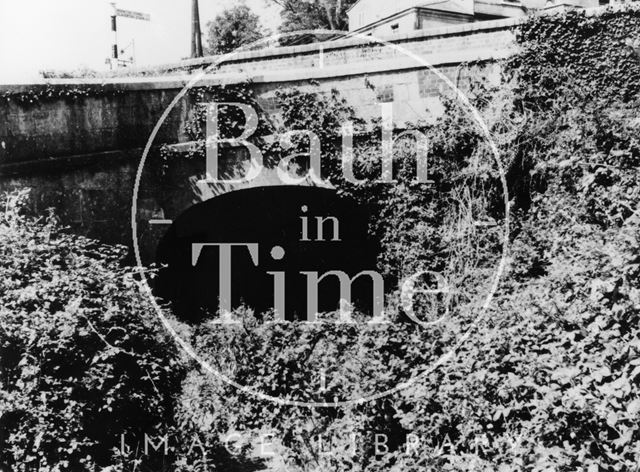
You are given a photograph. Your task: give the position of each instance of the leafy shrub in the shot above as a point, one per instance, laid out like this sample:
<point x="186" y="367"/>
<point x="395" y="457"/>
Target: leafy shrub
<point x="83" y="358"/>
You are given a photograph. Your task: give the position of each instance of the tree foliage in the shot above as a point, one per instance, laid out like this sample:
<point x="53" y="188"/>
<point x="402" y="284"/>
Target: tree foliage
<point x="314" y="14"/>
<point x="233" y="28"/>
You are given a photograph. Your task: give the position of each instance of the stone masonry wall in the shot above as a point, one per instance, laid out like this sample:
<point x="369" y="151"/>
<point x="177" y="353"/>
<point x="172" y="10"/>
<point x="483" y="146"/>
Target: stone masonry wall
<point x="79" y="154"/>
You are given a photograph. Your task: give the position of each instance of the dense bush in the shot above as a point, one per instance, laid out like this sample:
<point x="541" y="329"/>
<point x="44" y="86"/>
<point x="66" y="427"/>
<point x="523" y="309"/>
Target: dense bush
<point x="83" y="358"/>
<point x="549" y="380"/>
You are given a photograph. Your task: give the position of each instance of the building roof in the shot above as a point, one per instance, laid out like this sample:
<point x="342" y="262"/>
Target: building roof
<point x="487" y="4"/>
<point x="505" y="9"/>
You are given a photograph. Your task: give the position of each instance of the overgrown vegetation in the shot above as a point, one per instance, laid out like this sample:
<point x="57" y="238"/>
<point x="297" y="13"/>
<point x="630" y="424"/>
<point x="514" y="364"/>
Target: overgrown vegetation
<point x="83" y="358"/>
<point x="548" y="380"/>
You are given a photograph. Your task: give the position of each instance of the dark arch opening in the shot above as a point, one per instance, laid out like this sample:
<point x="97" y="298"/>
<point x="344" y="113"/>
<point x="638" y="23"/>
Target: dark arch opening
<point x="270" y="217"/>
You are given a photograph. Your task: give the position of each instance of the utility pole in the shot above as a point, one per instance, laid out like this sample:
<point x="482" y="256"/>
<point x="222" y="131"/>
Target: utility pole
<point x="196" y="35"/>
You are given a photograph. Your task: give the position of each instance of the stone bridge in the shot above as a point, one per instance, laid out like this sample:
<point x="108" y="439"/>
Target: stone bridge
<point x="77" y="143"/>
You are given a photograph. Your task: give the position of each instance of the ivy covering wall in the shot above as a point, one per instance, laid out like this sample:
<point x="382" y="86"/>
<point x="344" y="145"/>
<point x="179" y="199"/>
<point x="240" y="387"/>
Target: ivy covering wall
<point x="597" y="55"/>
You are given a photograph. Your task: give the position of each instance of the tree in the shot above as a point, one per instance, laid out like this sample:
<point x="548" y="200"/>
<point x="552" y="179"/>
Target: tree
<point x="314" y="14"/>
<point x="233" y="28"/>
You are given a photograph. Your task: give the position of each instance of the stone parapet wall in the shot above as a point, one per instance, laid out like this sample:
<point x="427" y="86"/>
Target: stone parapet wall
<point x="77" y="143"/>
<point x="106" y="115"/>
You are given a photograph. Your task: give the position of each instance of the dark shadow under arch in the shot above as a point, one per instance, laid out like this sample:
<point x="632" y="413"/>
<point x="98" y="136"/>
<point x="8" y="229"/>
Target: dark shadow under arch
<point x="268" y="216"/>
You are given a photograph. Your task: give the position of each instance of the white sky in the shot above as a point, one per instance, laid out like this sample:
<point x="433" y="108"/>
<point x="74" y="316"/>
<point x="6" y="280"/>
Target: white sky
<point x="69" y="34"/>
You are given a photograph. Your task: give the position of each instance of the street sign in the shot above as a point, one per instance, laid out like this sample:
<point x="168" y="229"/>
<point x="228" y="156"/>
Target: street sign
<point x="133" y="14"/>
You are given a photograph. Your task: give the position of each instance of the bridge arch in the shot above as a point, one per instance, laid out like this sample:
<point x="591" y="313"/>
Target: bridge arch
<point x="275" y="229"/>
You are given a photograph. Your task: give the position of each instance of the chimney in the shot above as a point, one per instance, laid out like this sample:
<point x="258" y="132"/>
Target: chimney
<point x="196" y="35"/>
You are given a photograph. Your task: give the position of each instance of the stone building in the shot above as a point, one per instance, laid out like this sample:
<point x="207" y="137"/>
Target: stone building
<point x="385" y="17"/>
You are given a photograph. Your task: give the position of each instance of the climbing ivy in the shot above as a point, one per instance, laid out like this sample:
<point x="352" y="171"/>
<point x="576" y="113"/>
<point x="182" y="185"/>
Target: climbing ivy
<point x="231" y="124"/>
<point x="50" y="92"/>
<point x="597" y="54"/>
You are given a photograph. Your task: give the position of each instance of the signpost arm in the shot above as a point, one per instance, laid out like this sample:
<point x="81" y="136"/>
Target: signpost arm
<point x="114" y="28"/>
